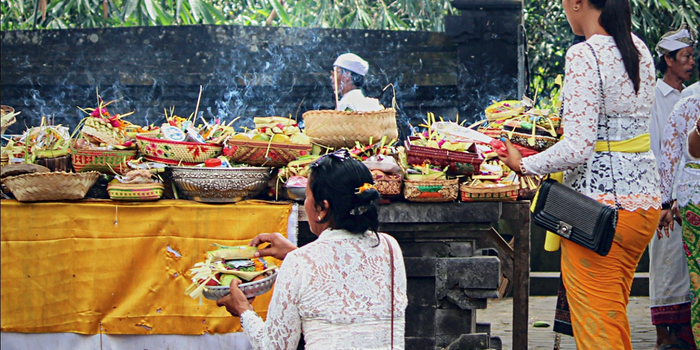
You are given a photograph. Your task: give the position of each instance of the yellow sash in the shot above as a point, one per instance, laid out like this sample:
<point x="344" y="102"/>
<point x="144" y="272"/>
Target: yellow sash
<point x="641" y="143"/>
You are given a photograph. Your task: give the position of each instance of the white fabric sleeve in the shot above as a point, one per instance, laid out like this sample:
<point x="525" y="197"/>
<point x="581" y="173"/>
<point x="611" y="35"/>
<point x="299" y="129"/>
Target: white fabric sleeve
<point x="580" y="116"/>
<point x="282" y="329"/>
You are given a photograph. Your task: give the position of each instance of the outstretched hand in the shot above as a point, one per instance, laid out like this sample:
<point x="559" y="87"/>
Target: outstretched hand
<point x="278" y="248"/>
<point x="511" y="157"/>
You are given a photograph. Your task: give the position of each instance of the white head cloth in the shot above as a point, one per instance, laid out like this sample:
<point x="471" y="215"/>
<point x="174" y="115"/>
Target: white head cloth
<point x="353" y="63"/>
<point x="673" y="41"/>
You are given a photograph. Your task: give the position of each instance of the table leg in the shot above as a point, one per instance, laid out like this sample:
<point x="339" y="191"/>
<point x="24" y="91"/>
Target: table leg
<point x="519" y="214"/>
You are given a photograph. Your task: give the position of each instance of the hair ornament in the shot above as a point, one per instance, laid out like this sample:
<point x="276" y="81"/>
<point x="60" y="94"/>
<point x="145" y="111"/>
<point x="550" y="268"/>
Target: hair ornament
<point x="366" y="186"/>
<point x="359" y="210"/>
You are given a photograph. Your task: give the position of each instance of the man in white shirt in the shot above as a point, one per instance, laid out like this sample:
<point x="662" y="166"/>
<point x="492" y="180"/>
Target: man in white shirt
<point x="347" y="77"/>
<point x="669" y="290"/>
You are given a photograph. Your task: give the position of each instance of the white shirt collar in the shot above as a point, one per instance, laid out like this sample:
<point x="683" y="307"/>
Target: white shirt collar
<point x="665" y="88"/>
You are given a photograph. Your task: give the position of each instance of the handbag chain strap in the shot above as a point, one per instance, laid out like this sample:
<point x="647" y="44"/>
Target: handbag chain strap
<point x="391" y="259"/>
<point x="607" y="133"/>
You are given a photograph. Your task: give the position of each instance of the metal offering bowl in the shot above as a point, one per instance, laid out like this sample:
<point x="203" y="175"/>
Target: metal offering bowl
<point x="220" y="185"/>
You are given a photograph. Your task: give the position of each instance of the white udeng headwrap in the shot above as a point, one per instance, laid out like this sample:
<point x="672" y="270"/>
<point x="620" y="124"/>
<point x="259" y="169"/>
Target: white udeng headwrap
<point x="673" y="41"/>
<point x="353" y="63"/>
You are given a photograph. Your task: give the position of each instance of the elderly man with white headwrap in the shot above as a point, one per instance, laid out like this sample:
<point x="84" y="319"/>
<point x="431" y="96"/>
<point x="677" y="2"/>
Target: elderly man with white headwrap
<point x="669" y="290"/>
<point x="347" y="77"/>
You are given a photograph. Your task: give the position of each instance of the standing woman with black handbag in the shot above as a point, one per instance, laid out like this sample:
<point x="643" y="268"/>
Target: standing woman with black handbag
<point x="605" y="155"/>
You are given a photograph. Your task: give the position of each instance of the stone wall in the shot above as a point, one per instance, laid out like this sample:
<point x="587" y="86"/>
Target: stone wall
<point x="254" y="71"/>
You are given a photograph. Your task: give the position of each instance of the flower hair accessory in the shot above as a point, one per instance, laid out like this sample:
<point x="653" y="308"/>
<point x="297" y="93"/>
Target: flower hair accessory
<point x="366" y="186"/>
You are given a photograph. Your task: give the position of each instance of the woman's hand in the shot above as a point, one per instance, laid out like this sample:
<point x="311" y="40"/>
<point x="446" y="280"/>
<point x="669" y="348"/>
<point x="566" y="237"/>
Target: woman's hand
<point x="235" y="302"/>
<point x="278" y="248"/>
<point x="676" y="213"/>
<point x="512" y="158"/>
<point x="665" y="223"/>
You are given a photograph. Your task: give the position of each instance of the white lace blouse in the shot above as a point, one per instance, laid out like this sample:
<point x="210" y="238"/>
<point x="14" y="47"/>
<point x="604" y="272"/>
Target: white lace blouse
<point x="675" y="156"/>
<point x="637" y="178"/>
<point x="336" y="291"/>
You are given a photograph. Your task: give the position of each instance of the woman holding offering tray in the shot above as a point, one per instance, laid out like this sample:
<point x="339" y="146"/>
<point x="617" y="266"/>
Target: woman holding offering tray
<point x="345" y="290"/>
<point x="598" y="286"/>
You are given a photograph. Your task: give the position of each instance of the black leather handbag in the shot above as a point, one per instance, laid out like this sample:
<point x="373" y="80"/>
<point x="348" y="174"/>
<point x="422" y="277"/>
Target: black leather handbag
<point x="573" y="215"/>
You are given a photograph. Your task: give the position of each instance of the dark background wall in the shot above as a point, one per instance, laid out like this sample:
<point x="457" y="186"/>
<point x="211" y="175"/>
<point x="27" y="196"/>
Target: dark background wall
<point x="244" y="71"/>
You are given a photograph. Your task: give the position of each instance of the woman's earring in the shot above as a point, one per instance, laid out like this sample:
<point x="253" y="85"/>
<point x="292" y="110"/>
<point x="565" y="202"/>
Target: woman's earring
<point x="577" y="7"/>
<point x="319" y="218"/>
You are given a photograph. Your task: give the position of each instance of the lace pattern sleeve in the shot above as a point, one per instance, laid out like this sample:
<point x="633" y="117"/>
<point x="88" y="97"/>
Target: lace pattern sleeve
<point x="580" y="116"/>
<point x="282" y="329"/>
<point x="680" y="123"/>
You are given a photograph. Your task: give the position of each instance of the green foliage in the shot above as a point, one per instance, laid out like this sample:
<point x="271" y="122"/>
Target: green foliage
<point x="353" y="14"/>
<point x="549" y="34"/>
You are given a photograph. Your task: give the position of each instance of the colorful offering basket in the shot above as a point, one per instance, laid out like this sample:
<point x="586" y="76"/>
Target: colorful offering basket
<point x="431" y="191"/>
<point x="460" y="163"/>
<point x="263" y="153"/>
<point x="388" y="185"/>
<point x="135" y="192"/>
<point x="495" y="192"/>
<point x="175" y="152"/>
<point x="104" y="161"/>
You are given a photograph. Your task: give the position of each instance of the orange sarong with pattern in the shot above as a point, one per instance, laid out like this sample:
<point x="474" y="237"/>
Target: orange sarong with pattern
<point x="598" y="287"/>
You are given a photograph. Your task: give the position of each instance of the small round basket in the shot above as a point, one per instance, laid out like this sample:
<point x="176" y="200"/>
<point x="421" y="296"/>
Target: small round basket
<point x="343" y="128"/>
<point x="250" y="289"/>
<point x="54" y="186"/>
<point x="541" y="142"/>
<point x="176" y="153"/>
<point x="220" y="185"/>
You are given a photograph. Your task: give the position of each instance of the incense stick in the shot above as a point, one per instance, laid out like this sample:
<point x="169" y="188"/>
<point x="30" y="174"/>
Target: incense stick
<point x="196" y="109"/>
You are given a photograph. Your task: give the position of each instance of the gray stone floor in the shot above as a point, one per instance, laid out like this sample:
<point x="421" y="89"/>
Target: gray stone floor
<point x="498" y="313"/>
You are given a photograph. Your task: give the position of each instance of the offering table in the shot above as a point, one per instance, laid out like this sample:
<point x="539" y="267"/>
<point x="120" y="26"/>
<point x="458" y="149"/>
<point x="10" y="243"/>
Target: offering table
<point x="447" y="249"/>
<point x="97" y="274"/>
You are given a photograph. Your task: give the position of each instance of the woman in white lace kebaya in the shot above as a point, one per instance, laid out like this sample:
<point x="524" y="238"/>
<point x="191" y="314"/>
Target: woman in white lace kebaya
<point x="678" y="164"/>
<point x="598" y="287"/>
<point x="338" y="289"/>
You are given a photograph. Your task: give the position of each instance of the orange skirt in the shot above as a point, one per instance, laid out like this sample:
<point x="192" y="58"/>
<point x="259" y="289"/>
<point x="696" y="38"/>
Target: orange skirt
<point x="598" y="287"/>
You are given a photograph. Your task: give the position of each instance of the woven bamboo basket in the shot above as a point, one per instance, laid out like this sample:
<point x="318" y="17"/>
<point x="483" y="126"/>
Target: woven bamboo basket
<point x="388" y="185"/>
<point x="431" y="191"/>
<point x="262" y="153"/>
<point x="135" y="192"/>
<point x="104" y="161"/>
<point x="4" y="159"/>
<point x="51" y="186"/>
<point x="176" y="153"/>
<point x="497" y="193"/>
<point x="460" y="163"/>
<point x="343" y="128"/>
<point x="541" y="142"/>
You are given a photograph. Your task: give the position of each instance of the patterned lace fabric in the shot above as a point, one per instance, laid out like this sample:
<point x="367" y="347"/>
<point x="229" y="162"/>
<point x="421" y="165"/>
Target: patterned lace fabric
<point x="628" y="114"/>
<point x="675" y="156"/>
<point x="337" y="290"/>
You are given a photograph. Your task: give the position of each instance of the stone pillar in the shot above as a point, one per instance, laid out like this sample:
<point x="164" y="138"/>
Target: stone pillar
<point x="491" y="51"/>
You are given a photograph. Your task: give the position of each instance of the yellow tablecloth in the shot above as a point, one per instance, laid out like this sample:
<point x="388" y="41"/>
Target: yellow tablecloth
<point x="76" y="267"/>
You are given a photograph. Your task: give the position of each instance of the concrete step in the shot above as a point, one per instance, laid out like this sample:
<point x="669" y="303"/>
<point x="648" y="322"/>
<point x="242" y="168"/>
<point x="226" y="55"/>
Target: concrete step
<point x="547" y="283"/>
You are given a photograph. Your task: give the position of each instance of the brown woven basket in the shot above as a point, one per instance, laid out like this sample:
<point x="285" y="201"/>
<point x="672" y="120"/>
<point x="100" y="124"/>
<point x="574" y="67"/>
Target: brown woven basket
<point x="388" y="184"/>
<point x="263" y="153"/>
<point x="343" y="128"/>
<point x="431" y="191"/>
<point x="541" y="142"/>
<point x="499" y="193"/>
<point x="51" y="186"/>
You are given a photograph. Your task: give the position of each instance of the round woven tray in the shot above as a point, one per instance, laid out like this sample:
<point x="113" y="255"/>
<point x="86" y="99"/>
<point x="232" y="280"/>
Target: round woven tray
<point x="343" y="128"/>
<point x="176" y="153"/>
<point x="51" y="186"/>
<point x="250" y="289"/>
<point x="541" y="142"/>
